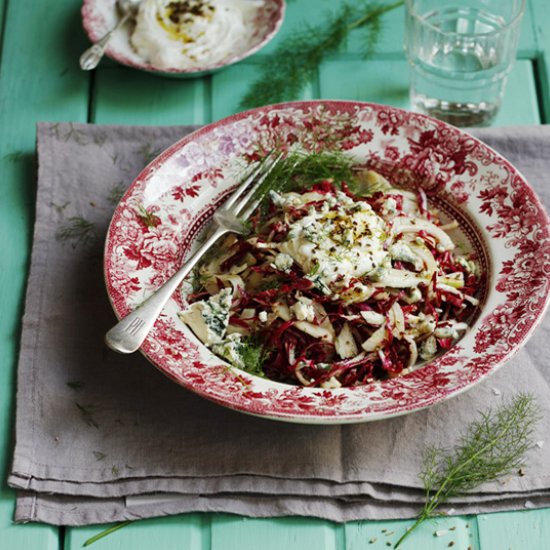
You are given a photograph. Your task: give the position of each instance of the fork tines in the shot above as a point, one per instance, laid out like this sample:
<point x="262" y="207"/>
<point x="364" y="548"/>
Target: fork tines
<point x="247" y="204"/>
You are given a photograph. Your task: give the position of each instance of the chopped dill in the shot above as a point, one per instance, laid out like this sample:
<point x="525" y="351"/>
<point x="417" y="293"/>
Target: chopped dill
<point x="149" y="219"/>
<point x="60" y="207"/>
<point x="149" y="152"/>
<point x="197" y="280"/>
<point x="78" y="230"/>
<point x="314" y="270"/>
<point x="254" y="355"/>
<point x="269" y="284"/>
<point x="116" y="193"/>
<point x="87" y="414"/>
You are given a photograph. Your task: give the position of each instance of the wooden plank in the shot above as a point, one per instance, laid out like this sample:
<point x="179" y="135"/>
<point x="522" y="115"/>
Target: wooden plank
<point x="238" y="533"/>
<point x="542" y="63"/>
<point x="38" y="81"/>
<point x="301" y="13"/>
<point x="542" y="68"/>
<point x="126" y="96"/>
<point x="3" y="5"/>
<point x="230" y="85"/>
<point x="190" y="531"/>
<point x="15" y="537"/>
<point x="529" y="529"/>
<point x="359" y="80"/>
<point x="438" y="534"/>
<point x="520" y="105"/>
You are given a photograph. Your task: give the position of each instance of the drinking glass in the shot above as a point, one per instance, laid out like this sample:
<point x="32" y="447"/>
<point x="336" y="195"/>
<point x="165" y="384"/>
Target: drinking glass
<point x="460" y="53"/>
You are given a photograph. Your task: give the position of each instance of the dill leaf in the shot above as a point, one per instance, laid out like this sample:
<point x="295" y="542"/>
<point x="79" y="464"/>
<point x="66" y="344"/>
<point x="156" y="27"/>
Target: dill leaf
<point x="301" y="169"/>
<point x="296" y="61"/>
<point x="87" y="414"/>
<point x="491" y="447"/>
<point x="78" y="231"/>
<point x="269" y="283"/>
<point x="116" y="193"/>
<point x="254" y="354"/>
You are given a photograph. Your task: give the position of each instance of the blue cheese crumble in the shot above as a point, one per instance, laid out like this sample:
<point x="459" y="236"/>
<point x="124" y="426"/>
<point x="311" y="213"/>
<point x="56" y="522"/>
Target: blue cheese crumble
<point x="209" y="319"/>
<point x="283" y="262"/>
<point x="230" y="350"/>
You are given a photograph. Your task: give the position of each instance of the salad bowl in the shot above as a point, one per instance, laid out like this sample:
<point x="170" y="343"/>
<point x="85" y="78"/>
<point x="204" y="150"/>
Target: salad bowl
<point x="501" y="222"/>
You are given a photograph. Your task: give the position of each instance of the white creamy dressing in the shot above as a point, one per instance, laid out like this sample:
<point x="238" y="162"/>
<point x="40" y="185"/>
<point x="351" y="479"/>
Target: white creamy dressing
<point x="334" y="244"/>
<point x="187" y="34"/>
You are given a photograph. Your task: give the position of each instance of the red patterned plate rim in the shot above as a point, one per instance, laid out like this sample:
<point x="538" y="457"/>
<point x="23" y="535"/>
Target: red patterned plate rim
<point x="508" y="217"/>
<point x="96" y="27"/>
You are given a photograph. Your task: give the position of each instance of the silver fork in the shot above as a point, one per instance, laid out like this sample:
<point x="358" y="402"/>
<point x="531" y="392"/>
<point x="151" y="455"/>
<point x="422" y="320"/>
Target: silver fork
<point x="129" y="333"/>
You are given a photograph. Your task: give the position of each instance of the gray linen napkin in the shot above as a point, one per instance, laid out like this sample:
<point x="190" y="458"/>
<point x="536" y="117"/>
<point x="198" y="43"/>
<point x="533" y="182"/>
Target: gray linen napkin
<point x="102" y="437"/>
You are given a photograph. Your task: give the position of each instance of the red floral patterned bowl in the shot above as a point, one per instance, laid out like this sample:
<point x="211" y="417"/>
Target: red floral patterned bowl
<point x="156" y="224"/>
<point x="100" y="16"/>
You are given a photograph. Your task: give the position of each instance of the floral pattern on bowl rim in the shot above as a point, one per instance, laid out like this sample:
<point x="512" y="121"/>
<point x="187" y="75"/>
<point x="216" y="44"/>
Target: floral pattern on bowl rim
<point x="157" y="222"/>
<point x="100" y="16"/>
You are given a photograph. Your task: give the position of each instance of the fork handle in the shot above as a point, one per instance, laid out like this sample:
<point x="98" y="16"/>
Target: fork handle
<point x="129" y="333"/>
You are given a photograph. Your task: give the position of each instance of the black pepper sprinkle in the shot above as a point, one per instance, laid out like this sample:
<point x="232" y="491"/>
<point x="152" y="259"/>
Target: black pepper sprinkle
<point x="179" y="11"/>
<point x="451" y="544"/>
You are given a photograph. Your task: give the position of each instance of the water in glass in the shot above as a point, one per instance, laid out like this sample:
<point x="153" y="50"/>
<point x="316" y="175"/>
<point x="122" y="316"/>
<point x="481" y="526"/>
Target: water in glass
<point x="459" y="61"/>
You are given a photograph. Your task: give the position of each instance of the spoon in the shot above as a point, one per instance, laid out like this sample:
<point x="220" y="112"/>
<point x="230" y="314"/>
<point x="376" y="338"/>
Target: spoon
<point x="92" y="56"/>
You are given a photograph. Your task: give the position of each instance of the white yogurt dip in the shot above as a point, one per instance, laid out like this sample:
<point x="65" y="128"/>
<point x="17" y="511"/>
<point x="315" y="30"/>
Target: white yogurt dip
<point x="189" y="34"/>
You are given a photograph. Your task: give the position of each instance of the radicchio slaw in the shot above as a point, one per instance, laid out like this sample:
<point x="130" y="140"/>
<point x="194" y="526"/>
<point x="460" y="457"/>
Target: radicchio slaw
<point x="335" y="289"/>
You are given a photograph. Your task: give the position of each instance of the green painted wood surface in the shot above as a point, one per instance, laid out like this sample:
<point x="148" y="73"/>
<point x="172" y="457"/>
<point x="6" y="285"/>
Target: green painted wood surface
<point x="312" y="12"/>
<point x="515" y="530"/>
<point x="2" y="13"/>
<point x="433" y="535"/>
<point x="160" y="101"/>
<point x="359" y="80"/>
<point x="542" y="57"/>
<point x="190" y="532"/>
<point x="234" y="533"/>
<point x="39" y="80"/>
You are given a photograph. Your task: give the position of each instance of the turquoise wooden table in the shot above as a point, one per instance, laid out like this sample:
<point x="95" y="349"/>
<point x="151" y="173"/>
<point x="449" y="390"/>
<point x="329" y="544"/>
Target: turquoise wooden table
<point x="40" y="42"/>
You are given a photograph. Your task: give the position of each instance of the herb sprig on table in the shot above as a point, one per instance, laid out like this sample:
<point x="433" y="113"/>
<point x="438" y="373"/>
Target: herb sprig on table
<point x="285" y="73"/>
<point x="492" y="447"/>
